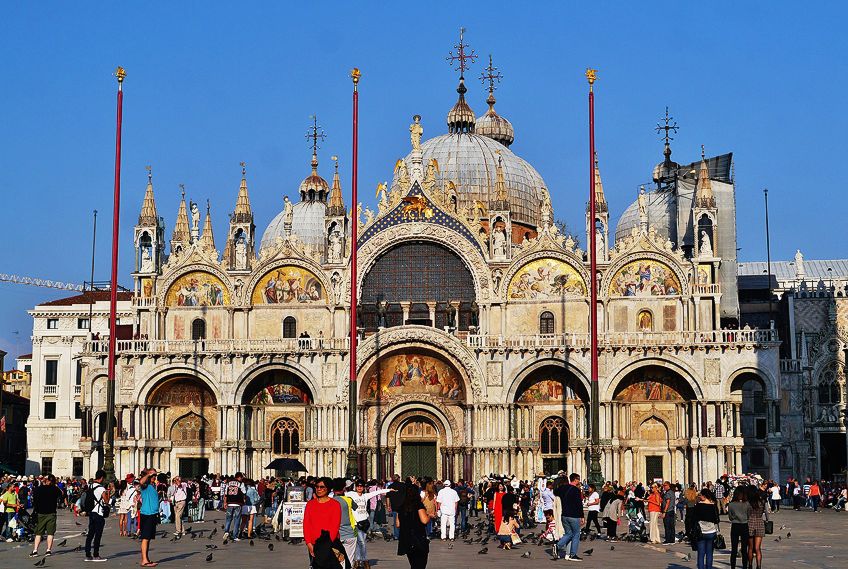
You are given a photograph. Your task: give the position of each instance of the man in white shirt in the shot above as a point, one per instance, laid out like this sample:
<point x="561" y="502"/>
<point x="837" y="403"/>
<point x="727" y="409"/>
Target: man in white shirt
<point x="593" y="505"/>
<point x="548" y="496"/>
<point x="446" y="501"/>
<point x="178" y="494"/>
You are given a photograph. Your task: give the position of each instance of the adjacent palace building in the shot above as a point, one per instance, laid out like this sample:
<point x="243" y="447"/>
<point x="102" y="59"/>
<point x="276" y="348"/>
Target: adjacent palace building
<point x="474" y="349"/>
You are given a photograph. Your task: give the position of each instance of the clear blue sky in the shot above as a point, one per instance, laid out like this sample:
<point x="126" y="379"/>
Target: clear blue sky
<point x="213" y="83"/>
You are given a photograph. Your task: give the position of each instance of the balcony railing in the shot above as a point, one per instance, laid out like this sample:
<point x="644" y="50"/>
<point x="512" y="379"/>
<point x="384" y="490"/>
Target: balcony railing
<point x="625" y="339"/>
<point x="791" y="366"/>
<point x="51" y="389"/>
<point x="77" y="390"/>
<point x="232" y="346"/>
<point x="714" y="288"/>
<point x="143" y="301"/>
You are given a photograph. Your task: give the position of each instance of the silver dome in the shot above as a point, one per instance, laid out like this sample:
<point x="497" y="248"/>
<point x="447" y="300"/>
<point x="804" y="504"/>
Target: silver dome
<point x="662" y="209"/>
<point x="307" y="224"/>
<point x="470" y="161"/>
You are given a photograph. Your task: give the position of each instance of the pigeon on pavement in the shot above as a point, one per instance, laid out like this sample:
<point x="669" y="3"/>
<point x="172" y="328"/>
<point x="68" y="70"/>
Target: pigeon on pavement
<point x="483" y="551"/>
<point x="209" y="558"/>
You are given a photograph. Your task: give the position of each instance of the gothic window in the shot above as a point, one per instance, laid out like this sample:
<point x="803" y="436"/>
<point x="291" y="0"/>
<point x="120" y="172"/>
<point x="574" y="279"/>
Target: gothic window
<point x="285" y="437"/>
<point x="198" y="329"/>
<point x="554" y="436"/>
<point x="828" y="388"/>
<point x="419" y="273"/>
<point x="546" y="323"/>
<point x="289" y="327"/>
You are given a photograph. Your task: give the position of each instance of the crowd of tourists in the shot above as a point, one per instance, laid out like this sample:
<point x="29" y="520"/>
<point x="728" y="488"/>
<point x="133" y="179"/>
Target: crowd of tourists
<point x="342" y="516"/>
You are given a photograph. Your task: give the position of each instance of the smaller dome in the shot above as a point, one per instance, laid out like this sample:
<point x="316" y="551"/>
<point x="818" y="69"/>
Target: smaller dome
<point x="307" y="224"/>
<point x="314" y="187"/>
<point x="461" y="118"/>
<point x="495" y="126"/>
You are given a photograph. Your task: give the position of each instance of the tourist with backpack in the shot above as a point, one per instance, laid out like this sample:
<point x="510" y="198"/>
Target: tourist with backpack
<point x="233" y="493"/>
<point x="148" y="514"/>
<point x="95" y="505"/>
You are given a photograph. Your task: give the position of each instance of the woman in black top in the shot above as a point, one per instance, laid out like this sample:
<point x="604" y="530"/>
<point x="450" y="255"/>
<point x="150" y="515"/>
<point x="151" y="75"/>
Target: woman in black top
<point x="705" y="527"/>
<point x="411" y="520"/>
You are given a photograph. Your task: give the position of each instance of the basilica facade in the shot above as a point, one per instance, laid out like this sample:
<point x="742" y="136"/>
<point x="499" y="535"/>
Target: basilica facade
<point x="473" y="322"/>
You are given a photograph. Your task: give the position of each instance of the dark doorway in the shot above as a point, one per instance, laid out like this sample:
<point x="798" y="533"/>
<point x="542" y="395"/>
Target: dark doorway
<point x="551" y="466"/>
<point x="418" y="459"/>
<point x="833" y="454"/>
<point x="653" y="468"/>
<point x="193" y="468"/>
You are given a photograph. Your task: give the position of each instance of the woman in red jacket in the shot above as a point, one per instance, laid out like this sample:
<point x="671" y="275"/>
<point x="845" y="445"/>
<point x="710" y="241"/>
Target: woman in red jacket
<point x="322" y="514"/>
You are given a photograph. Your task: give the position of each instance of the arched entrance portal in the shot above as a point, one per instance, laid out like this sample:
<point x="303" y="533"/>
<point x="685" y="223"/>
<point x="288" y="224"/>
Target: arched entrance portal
<point x="183" y="411"/>
<point x="551" y="414"/>
<point x="274" y="416"/>
<point x="651" y="407"/>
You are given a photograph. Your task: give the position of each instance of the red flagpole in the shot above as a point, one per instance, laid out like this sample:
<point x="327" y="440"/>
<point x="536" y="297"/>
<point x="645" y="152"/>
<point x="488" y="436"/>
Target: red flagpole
<point x="352" y="462"/>
<point x="109" y="446"/>
<point x="595" y="475"/>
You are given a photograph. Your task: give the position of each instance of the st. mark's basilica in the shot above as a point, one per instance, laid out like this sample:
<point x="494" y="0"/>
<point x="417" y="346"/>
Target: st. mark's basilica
<point x="474" y="349"/>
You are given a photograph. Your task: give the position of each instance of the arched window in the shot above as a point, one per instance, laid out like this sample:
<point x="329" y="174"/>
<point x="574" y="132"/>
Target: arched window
<point x="554" y="436"/>
<point x="289" y="327"/>
<point x="198" y="329"/>
<point x="285" y="437"/>
<point x="645" y="321"/>
<point x="546" y="323"/>
<point x="828" y="389"/>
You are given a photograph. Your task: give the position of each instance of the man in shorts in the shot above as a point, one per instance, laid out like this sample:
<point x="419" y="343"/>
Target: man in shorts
<point x="149" y="514"/>
<point x="45" y="499"/>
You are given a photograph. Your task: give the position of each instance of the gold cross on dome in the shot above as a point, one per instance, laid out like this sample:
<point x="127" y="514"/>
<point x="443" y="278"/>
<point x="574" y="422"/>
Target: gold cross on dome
<point x="491" y="75"/>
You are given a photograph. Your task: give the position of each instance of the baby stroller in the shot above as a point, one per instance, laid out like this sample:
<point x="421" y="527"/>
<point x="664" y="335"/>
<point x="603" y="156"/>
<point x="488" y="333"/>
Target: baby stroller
<point x="636" y="527"/>
<point x="25" y="527"/>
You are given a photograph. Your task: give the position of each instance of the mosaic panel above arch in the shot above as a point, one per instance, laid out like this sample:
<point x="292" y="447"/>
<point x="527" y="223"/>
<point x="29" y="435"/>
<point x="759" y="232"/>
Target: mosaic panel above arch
<point x="547" y="391"/>
<point x="277" y="387"/>
<point x="645" y="277"/>
<point x="197" y="288"/>
<point x="545" y="279"/>
<point x="653" y="384"/>
<point x="289" y="284"/>
<point x="413" y="375"/>
<point x="182" y="392"/>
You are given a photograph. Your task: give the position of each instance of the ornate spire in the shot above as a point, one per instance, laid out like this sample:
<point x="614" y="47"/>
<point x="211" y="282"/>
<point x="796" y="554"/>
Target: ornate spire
<point x="501" y="202"/>
<point x="148" y="207"/>
<point x="243" y="212"/>
<point x="337" y="206"/>
<point x="704" y="197"/>
<point x="461" y="117"/>
<point x="182" y="233"/>
<point x="207" y="239"/>
<point x="600" y="201"/>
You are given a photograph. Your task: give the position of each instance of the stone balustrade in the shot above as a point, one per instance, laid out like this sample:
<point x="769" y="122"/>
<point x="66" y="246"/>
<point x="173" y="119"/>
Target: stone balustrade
<point x="625" y="339"/>
<point x="220" y="346"/>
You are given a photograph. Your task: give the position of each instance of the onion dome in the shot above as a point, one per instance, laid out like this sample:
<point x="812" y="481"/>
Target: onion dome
<point x="314" y="187"/>
<point x="461" y="117"/>
<point x="495" y="126"/>
<point x="492" y="124"/>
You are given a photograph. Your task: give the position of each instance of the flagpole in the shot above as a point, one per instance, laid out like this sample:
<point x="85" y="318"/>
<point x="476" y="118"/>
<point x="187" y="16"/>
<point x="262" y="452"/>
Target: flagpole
<point x="595" y="475"/>
<point x="109" y="443"/>
<point x="352" y="455"/>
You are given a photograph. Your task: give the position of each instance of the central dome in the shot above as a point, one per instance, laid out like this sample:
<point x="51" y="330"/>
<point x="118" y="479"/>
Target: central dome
<point x="470" y="161"/>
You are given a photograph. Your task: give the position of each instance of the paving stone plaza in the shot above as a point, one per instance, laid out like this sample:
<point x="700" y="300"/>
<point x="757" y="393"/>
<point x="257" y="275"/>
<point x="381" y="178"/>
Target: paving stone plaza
<point x="815" y="540"/>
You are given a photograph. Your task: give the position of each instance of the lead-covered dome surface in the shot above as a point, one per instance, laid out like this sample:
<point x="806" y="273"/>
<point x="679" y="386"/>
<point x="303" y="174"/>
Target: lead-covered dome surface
<point x="307" y="224"/>
<point x="470" y="161"/>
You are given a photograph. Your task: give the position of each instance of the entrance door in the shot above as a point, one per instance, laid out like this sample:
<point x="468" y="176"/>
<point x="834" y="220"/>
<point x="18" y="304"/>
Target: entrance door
<point x="653" y="468"/>
<point x="418" y="459"/>
<point x="193" y="467"/>
<point x="833" y="454"/>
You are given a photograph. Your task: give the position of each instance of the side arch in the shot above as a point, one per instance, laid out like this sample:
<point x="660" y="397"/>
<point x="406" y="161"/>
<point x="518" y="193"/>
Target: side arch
<point x="683" y="370"/>
<point x="769" y="382"/>
<point x="165" y="287"/>
<point x="168" y="370"/>
<point x="524" y="373"/>
<point x="248" y="375"/>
